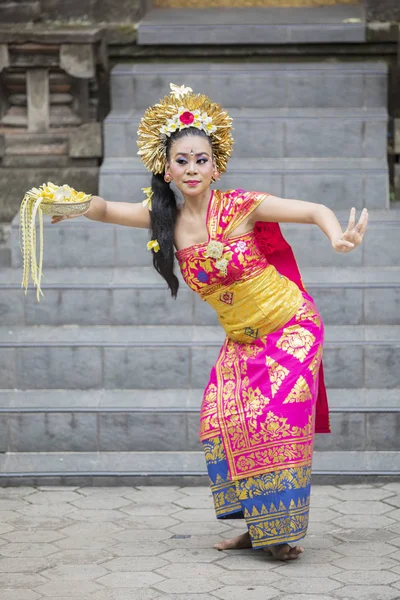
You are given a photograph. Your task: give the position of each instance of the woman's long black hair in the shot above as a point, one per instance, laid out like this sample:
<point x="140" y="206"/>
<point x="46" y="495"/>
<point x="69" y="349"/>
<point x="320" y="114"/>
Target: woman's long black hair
<point x="163" y="216"/>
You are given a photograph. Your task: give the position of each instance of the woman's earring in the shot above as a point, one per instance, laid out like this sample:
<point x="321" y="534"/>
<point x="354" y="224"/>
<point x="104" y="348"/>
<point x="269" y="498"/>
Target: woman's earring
<point x="167" y="178"/>
<point x="216" y="175"/>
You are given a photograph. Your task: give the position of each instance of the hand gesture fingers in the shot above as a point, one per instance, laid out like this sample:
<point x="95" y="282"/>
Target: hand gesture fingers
<point x="352" y="219"/>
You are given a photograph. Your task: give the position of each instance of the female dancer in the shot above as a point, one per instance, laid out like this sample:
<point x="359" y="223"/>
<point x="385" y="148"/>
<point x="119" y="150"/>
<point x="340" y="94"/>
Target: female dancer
<point x="259" y="408"/>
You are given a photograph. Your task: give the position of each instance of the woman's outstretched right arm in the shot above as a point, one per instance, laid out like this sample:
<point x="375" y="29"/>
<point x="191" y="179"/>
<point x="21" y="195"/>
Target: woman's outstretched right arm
<point x="131" y="214"/>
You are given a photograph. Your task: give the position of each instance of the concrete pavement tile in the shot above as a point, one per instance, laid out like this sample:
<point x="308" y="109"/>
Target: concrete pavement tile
<point x="153" y="495"/>
<point x="250" y="592"/>
<point x="17" y="580"/>
<point x="364" y="534"/>
<point x="44" y="522"/>
<point x="186" y="597"/>
<point x="196" y="515"/>
<point x="203" y="501"/>
<point x="319" y="542"/>
<point x="202" y="490"/>
<point x="83" y="542"/>
<point x="75" y="589"/>
<point x="195" y="541"/>
<point x="321" y="528"/>
<point x="187" y="586"/>
<point x="307" y="597"/>
<point x="27" y="550"/>
<point x="106" y="503"/>
<point x="395" y="569"/>
<point x="20" y="594"/>
<point x="367" y="577"/>
<point x="142" y="549"/>
<point x="152" y="510"/>
<point x="361" y="563"/>
<point x="322" y="501"/>
<point x="361" y="521"/>
<point x="301" y="585"/>
<point x="8" y="516"/>
<point x="148" y="522"/>
<point x="48" y="510"/>
<point x="24" y="565"/>
<point x="395" y="529"/>
<point x="124" y="579"/>
<point x="318" y="555"/>
<point x="191" y="571"/>
<point x="249" y="578"/>
<point x="5" y="528"/>
<point x="370" y="549"/>
<point x="122" y="594"/>
<point x="91" y="530"/>
<point x="364" y="494"/>
<point x="16" y="492"/>
<point x="98" y="515"/>
<point x="250" y="559"/>
<point x="139" y="563"/>
<point x="371" y="592"/>
<point x="74" y="572"/>
<point x="35" y="536"/>
<point x="394" y="514"/>
<point x="362" y="508"/>
<point x="299" y="568"/>
<point x="12" y="504"/>
<point x="189" y="555"/>
<point x="396" y="585"/>
<point x="323" y="515"/>
<point x="393" y="501"/>
<point x="142" y="535"/>
<point x="392" y="486"/>
<point x="105" y="491"/>
<point x="199" y="528"/>
<point x="88" y="556"/>
<point x="52" y="497"/>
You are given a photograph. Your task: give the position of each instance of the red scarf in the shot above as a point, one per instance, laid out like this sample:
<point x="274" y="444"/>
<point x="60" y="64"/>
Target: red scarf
<point x="273" y="245"/>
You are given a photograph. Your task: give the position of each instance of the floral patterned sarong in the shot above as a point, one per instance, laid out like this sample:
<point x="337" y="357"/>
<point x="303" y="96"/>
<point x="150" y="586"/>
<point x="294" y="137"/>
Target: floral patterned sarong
<point x="258" y="413"/>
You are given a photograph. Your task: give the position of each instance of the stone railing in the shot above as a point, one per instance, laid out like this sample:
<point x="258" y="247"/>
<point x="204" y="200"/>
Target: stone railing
<point x="53" y="99"/>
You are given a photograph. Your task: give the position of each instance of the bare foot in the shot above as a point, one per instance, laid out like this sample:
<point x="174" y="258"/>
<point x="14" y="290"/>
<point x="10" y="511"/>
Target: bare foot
<point x="285" y="552"/>
<point x="237" y="543"/>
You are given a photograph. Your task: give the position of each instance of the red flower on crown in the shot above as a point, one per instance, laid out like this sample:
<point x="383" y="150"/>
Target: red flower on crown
<point x="187" y="118"/>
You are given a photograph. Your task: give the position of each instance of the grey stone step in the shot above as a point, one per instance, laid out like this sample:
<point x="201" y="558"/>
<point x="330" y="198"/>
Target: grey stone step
<point x="335" y="181"/>
<point x="76" y="357"/>
<point x="138" y="296"/>
<point x="130" y="467"/>
<point x="279" y="84"/>
<point x="168" y="420"/>
<point x="202" y="26"/>
<point x="278" y="133"/>
<point x="92" y="244"/>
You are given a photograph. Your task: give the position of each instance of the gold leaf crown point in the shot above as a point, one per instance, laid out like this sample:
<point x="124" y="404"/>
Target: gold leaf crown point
<point x="213" y="119"/>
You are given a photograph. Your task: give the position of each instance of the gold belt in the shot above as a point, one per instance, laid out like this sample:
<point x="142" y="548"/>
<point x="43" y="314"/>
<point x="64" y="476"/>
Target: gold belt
<point x="250" y="309"/>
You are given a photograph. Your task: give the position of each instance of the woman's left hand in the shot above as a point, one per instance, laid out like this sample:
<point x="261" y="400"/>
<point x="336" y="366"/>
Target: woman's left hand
<point x="353" y="236"/>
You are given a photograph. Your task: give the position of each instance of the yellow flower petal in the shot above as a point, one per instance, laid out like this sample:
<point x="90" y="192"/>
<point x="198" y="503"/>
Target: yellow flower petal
<point x="153" y="245"/>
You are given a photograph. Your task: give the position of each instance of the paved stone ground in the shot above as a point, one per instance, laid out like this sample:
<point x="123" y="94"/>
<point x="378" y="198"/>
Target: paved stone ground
<point x="144" y="543"/>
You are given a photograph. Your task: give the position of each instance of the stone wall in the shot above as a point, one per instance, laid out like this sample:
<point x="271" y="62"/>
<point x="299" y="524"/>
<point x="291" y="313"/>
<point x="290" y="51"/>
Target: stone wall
<point x="383" y="10"/>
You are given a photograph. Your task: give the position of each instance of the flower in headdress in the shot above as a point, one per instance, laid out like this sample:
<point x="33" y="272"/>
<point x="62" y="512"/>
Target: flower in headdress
<point x="186" y="118"/>
<point x="179" y="91"/>
<point x="149" y="193"/>
<point x="153" y="245"/>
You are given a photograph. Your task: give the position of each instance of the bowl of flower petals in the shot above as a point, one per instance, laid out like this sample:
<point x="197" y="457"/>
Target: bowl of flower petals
<point x="51" y="199"/>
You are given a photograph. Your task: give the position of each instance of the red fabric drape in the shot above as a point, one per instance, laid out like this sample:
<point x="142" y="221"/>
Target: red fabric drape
<point x="273" y="245"/>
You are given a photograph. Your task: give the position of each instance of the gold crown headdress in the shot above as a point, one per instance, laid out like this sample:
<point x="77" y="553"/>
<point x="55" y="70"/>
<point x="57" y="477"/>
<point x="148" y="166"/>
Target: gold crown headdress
<point x="182" y="109"/>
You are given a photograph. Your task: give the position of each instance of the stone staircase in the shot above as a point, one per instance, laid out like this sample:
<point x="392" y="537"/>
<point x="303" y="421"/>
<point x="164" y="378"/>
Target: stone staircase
<point x="102" y="380"/>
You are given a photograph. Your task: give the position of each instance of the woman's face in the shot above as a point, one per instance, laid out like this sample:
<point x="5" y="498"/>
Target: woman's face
<point x="191" y="164"/>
